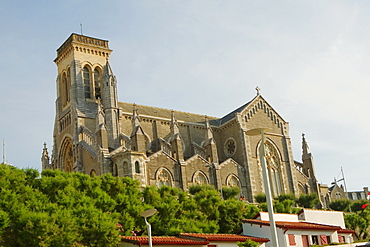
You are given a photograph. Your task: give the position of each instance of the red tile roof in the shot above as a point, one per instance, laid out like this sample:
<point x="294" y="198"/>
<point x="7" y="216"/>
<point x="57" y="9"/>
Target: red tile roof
<point x="346" y="231"/>
<point x="163" y="240"/>
<point x="295" y="225"/>
<point x="224" y="237"/>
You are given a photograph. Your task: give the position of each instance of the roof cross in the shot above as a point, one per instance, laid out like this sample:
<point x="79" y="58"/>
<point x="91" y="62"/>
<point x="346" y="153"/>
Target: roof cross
<point x="258" y="90"/>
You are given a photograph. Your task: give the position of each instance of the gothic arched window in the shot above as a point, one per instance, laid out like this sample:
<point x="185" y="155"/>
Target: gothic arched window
<point x="66" y="155"/>
<point x="233" y="181"/>
<point x="164" y="178"/>
<point x="200" y="179"/>
<point x="92" y="173"/>
<point x="97" y="83"/>
<point x="273" y="167"/>
<point x="86" y="80"/>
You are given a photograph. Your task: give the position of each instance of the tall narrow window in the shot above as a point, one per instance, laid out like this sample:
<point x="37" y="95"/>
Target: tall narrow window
<point x="68" y="85"/>
<point x="97" y="83"/>
<point x="126" y="171"/>
<point x="273" y="166"/>
<point x="64" y="90"/>
<point x="86" y="78"/>
<point x="137" y="167"/>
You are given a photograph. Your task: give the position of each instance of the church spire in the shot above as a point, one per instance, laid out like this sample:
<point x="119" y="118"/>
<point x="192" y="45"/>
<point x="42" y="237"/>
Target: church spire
<point x="305" y="148"/>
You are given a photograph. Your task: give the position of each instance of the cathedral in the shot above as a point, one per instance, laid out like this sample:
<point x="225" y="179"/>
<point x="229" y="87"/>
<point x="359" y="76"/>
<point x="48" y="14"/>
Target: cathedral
<point x="94" y="133"/>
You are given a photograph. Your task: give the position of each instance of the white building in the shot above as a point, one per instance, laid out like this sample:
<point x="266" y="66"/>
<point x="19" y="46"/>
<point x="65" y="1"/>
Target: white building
<point x="307" y="228"/>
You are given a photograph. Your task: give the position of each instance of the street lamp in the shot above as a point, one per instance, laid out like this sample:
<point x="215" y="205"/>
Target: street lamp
<point x="261" y="131"/>
<point x="146" y="214"/>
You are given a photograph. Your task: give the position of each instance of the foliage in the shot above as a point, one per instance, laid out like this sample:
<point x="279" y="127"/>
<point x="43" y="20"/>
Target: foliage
<point x="308" y="200"/>
<point x="359" y="222"/>
<point x="73" y="209"/>
<point x="356" y="206"/>
<point x="284" y="197"/>
<point x="197" y="188"/>
<point x="248" y="243"/>
<point x="340" y="205"/>
<point x="230" y="192"/>
<point x="260" y="198"/>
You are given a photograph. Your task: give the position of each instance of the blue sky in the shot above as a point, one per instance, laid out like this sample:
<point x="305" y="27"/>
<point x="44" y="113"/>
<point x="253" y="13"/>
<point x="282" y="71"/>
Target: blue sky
<point x="311" y="60"/>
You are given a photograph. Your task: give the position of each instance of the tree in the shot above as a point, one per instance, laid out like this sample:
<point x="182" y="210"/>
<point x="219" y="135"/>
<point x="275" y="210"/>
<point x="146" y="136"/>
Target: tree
<point x="308" y="200"/>
<point x="340" y="205"/>
<point x="248" y="243"/>
<point x="230" y="192"/>
<point x="359" y="223"/>
<point x="260" y="198"/>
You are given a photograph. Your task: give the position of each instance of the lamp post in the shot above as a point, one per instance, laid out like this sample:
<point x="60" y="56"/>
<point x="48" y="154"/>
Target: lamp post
<point x="266" y="181"/>
<point x="146" y="214"/>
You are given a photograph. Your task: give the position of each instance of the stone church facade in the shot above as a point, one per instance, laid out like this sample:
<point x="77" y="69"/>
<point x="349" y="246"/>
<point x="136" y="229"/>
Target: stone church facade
<point x="94" y="133"/>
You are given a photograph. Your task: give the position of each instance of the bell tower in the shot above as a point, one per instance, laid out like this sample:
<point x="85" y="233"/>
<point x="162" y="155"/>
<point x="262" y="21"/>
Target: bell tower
<point x="81" y="63"/>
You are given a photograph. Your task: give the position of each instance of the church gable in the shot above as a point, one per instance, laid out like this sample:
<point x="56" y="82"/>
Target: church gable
<point x="197" y="168"/>
<point x="259" y="111"/>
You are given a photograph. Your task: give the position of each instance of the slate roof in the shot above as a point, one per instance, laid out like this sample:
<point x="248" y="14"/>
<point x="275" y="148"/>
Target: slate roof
<point x="164" y="113"/>
<point x="294" y="225"/>
<point x="224" y="237"/>
<point x="163" y="240"/>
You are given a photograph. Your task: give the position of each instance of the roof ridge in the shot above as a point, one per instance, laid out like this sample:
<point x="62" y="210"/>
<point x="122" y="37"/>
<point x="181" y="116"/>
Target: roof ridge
<point x="160" y="108"/>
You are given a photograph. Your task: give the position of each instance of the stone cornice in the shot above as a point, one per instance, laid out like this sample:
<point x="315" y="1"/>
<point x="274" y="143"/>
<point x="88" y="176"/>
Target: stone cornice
<point x="76" y="41"/>
<point x="76" y="38"/>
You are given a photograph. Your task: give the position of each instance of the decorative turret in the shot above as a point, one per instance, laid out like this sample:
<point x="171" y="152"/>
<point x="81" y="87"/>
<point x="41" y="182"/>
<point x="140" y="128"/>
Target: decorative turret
<point x="308" y="166"/>
<point x="138" y="137"/>
<point x="45" y="158"/>
<point x="209" y="144"/>
<point x="101" y="130"/>
<point x="110" y="104"/>
<point x="135" y="119"/>
<point x="176" y="140"/>
<point x="305" y="148"/>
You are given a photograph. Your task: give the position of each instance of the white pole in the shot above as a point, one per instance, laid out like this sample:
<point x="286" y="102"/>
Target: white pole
<point x="149" y="228"/>
<point x="275" y="242"/>
<point x="345" y="187"/>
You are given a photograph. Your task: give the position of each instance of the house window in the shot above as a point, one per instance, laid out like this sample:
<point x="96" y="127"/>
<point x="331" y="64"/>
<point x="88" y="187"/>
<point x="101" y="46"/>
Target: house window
<point x="305" y="242"/>
<point x="315" y="239"/>
<point x="341" y="239"/>
<point x="137" y="167"/>
<point x="291" y="238"/>
<point x="325" y="239"/>
<point x="86" y="79"/>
